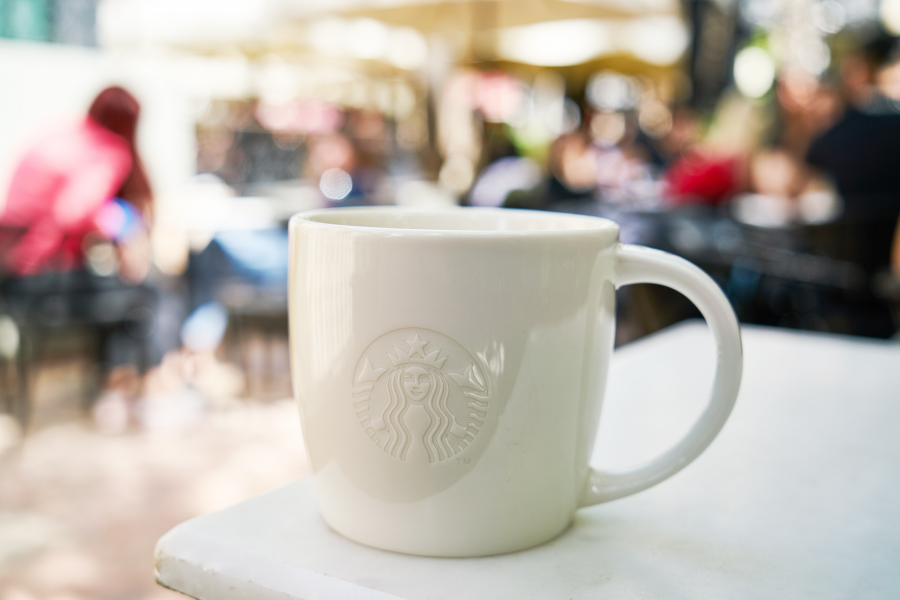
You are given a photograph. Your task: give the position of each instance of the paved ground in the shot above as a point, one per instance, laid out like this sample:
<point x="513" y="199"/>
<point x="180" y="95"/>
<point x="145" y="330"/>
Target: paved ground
<point x="80" y="510"/>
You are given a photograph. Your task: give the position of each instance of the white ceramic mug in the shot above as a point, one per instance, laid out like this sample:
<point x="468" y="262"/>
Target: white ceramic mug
<point x="450" y="368"/>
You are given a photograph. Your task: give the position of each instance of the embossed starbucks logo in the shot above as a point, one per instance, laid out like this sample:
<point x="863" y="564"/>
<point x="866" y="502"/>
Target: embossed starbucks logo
<point x="420" y="395"/>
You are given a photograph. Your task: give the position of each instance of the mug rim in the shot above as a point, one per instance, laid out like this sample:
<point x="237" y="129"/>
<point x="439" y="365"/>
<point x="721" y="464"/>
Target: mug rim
<point x="581" y="224"/>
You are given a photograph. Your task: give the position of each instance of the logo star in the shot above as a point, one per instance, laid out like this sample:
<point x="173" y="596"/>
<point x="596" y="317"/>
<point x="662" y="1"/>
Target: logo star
<point x="417" y="346"/>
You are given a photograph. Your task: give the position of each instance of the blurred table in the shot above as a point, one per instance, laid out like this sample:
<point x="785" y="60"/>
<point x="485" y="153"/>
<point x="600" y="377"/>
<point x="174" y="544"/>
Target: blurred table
<point x="797" y="498"/>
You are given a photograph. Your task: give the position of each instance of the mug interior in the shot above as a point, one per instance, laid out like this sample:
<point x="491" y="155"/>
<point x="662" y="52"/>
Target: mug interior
<point x="457" y="219"/>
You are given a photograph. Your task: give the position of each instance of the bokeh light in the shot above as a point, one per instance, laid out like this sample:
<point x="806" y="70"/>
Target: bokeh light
<point x="335" y="183"/>
<point x="556" y="43"/>
<point x="612" y="91"/>
<point x="890" y="15"/>
<point x="754" y="72"/>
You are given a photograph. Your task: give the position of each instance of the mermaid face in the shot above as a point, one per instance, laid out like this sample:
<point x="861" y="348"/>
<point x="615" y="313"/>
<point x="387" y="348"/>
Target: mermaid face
<point x="416" y="383"/>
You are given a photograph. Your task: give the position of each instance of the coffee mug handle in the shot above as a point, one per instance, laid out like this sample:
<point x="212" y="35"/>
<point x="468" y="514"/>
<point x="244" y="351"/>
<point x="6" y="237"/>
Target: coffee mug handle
<point x="636" y="264"/>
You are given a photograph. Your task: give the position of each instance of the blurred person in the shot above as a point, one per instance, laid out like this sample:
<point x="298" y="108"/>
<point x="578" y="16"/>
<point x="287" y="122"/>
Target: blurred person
<point x="627" y="163"/>
<point x="782" y="190"/>
<point x="773" y="172"/>
<point x="503" y="177"/>
<point x="501" y="170"/>
<point x="78" y="182"/>
<point x="859" y="150"/>
<point x="496" y="145"/>
<point x="859" y="153"/>
<point x="695" y="174"/>
<point x="702" y="177"/>
<point x="571" y="179"/>
<point x="572" y="162"/>
<point x="76" y="219"/>
<point x="777" y="187"/>
<point x="807" y="108"/>
<point x="683" y="135"/>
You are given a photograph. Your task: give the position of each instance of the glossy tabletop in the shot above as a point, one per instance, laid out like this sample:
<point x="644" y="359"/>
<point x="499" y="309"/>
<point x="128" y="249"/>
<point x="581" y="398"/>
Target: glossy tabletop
<point x="799" y="497"/>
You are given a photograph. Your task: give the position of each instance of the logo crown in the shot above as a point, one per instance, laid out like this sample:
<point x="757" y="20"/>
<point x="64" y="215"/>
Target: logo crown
<point x="416" y="355"/>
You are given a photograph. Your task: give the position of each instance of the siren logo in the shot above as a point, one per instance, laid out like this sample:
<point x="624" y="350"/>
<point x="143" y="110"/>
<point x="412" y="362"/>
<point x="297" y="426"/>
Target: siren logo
<point x="419" y="395"/>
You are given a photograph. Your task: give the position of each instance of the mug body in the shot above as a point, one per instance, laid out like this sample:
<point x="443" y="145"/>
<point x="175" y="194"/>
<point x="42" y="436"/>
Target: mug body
<point x="449" y="366"/>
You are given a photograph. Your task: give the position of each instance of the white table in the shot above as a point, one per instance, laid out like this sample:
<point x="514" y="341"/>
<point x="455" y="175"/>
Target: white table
<point x="799" y="497"/>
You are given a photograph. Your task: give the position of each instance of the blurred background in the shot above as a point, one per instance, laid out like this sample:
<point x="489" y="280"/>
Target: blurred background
<point x="151" y="152"/>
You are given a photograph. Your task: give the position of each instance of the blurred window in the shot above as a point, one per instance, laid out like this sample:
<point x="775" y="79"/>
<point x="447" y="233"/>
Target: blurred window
<point x="75" y="22"/>
<point x="25" y="19"/>
<point x="61" y="21"/>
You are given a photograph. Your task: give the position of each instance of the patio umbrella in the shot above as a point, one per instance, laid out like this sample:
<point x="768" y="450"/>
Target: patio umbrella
<point x="539" y="32"/>
<point x="478" y="15"/>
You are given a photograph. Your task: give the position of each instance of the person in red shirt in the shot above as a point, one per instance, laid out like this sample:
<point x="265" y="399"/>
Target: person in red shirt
<point x="80" y="186"/>
<point x="66" y="187"/>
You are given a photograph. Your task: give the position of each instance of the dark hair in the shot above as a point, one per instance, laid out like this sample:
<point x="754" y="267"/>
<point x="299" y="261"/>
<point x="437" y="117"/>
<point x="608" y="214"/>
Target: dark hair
<point x="882" y="49"/>
<point x="117" y="110"/>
